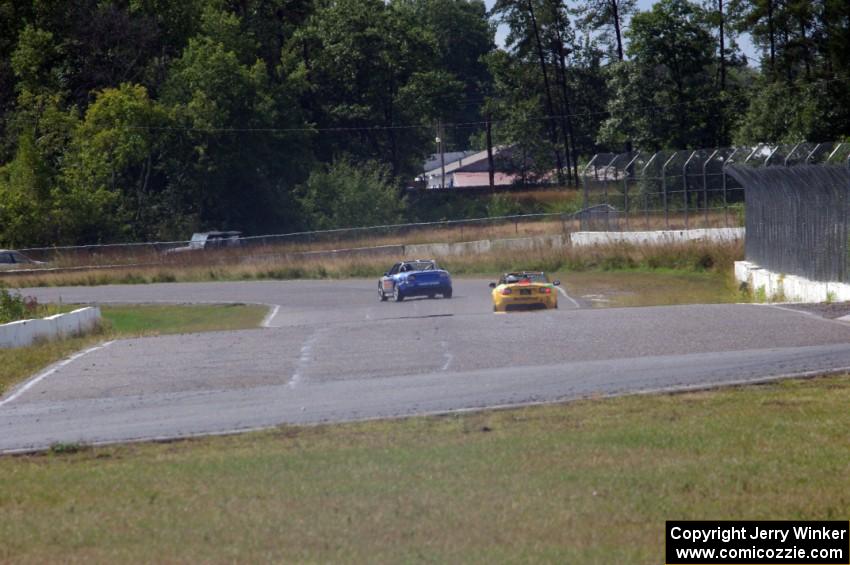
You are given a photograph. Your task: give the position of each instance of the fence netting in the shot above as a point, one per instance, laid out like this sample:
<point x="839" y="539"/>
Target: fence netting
<point x="631" y="191"/>
<point x="685" y="189"/>
<point x="797" y="219"/>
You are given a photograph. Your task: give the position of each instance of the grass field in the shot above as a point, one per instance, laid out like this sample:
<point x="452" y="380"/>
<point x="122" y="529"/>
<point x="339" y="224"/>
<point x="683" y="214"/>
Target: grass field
<point x="584" y="482"/>
<point x="128" y="321"/>
<point x="168" y="319"/>
<point x="603" y="289"/>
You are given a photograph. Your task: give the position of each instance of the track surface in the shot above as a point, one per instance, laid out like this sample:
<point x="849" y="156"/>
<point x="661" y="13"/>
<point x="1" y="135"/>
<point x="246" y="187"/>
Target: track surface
<point x="332" y="352"/>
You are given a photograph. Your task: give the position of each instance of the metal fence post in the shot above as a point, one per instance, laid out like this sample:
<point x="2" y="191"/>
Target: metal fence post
<point x="791" y="154"/>
<point x="812" y="154"/>
<point x="769" y="157"/>
<point x="664" y="189"/>
<point x="685" y="185"/>
<point x="612" y="163"/>
<point x="626" y="187"/>
<point x="645" y="196"/>
<point x="723" y="166"/>
<point x="584" y="184"/>
<point x="752" y="153"/>
<point x="705" y="183"/>
<point x="834" y="151"/>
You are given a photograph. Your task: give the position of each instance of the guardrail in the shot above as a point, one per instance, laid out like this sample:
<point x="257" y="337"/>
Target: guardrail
<point x="26" y="332"/>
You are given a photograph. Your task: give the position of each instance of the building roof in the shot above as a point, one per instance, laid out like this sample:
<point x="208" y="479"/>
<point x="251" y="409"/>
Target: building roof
<point x="449" y="158"/>
<point x="505" y="159"/>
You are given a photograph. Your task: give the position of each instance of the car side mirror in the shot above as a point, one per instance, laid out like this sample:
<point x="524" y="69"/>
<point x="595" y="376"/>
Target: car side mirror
<point x="387" y="274"/>
<point x="492" y="285"/>
<point x="557" y="283"/>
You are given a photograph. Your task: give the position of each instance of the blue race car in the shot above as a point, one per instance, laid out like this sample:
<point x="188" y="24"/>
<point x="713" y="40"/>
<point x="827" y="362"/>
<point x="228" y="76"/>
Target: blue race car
<point x="415" y="278"/>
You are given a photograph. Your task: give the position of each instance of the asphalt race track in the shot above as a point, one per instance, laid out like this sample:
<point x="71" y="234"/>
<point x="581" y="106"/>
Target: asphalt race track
<point x="331" y="352"/>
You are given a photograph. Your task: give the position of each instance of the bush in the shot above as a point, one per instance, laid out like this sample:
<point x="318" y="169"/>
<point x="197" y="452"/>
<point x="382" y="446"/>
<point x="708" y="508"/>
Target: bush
<point x="346" y="195"/>
<point x="503" y="205"/>
<point x="13" y="307"/>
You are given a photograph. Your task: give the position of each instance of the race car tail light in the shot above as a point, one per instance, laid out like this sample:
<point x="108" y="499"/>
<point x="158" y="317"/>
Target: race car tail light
<point x="546" y="290"/>
<point x="506" y="291"/>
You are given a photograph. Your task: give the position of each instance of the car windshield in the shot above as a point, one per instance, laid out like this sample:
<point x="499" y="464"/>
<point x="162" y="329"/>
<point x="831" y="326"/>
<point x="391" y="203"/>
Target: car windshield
<point x="512" y="278"/>
<point x="420" y="266"/>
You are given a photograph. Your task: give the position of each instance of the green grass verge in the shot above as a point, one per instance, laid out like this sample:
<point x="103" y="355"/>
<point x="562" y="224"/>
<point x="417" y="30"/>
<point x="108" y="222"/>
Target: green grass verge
<point x="167" y="319"/>
<point x="585" y="482"/>
<point x="603" y="289"/>
<point x="128" y="321"/>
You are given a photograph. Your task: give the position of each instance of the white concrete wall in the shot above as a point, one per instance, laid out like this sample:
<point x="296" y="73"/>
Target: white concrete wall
<point x="789" y="288"/>
<point x="27" y="332"/>
<point x="584" y="238"/>
<point x="429" y="250"/>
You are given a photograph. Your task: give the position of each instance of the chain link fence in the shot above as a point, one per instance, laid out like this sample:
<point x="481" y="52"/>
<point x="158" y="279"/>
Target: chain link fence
<point x="797" y="219"/>
<point x="250" y="248"/>
<point x="685" y="189"/>
<point x="665" y="190"/>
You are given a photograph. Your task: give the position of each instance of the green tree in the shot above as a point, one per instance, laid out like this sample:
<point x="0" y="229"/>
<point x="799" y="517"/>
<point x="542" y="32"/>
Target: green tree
<point x="607" y="18"/>
<point x="363" y="60"/>
<point x="344" y="195"/>
<point x="242" y="143"/>
<point x="664" y="96"/>
<point x="117" y="159"/>
<point x="802" y="92"/>
<point x="463" y="36"/>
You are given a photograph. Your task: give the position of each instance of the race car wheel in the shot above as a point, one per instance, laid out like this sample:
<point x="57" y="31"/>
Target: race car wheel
<point x="397" y="295"/>
<point x="432" y="296"/>
<point x="381" y="296"/>
<point x="447" y="294"/>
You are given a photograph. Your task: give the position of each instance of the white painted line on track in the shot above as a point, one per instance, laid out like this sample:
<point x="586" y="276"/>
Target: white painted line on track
<point x="306" y="352"/>
<point x="43" y="375"/>
<point x="843" y="321"/>
<point x="568" y="297"/>
<point x="447" y="354"/>
<point x="267" y="321"/>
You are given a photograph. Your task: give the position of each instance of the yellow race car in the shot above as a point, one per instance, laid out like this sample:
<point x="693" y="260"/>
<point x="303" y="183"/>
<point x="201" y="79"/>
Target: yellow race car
<point x="523" y="290"/>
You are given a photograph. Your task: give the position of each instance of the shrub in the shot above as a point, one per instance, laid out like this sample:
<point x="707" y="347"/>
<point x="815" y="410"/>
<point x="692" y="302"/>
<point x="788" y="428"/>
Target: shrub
<point x="13" y="307"/>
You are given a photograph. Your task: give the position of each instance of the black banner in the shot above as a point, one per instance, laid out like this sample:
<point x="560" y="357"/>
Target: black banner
<point x="758" y="543"/>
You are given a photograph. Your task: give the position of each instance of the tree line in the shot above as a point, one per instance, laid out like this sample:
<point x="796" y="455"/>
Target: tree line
<point x="149" y="119"/>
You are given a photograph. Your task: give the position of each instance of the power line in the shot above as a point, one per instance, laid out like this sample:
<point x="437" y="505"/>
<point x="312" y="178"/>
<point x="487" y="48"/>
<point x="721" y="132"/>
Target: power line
<point x="455" y="125"/>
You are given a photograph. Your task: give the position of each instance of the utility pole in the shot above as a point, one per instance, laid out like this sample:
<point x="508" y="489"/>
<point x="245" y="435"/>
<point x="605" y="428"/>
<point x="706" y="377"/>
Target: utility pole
<point x="722" y="47"/>
<point x="441" y="149"/>
<point x="490" y="168"/>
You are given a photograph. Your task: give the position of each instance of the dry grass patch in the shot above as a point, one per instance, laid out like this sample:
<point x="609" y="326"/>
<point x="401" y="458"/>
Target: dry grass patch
<point x="689" y="257"/>
<point x="652" y="288"/>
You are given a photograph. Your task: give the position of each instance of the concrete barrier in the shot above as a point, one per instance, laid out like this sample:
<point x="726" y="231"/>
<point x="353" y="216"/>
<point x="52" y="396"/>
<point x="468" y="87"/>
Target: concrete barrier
<point x="789" y="288"/>
<point x="27" y="332"/>
<point x="585" y="238"/>
<point x="428" y="250"/>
